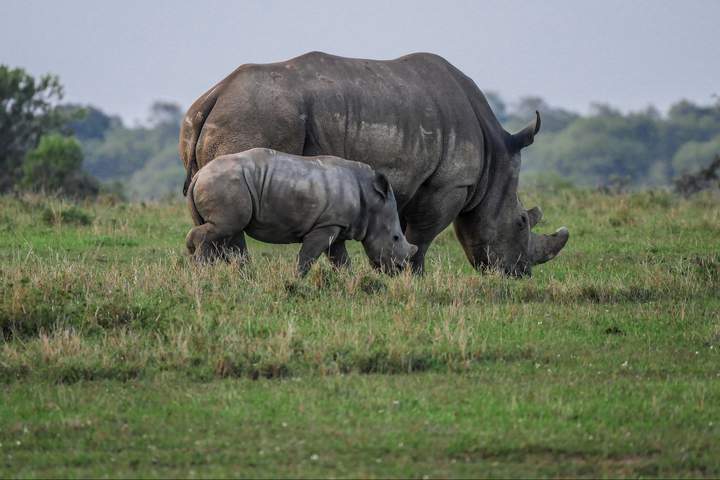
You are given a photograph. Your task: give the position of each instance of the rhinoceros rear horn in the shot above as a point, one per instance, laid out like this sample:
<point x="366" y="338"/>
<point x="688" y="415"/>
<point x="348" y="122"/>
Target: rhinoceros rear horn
<point x="526" y="136"/>
<point x="534" y="216"/>
<point x="546" y="247"/>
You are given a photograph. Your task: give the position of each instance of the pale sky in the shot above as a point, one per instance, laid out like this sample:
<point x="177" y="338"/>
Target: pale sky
<point x="122" y="55"/>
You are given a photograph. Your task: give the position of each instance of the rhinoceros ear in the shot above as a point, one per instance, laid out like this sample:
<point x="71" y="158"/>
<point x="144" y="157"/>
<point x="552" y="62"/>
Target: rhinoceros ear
<point x="382" y="185"/>
<point x="534" y="216"/>
<point x="526" y="136"/>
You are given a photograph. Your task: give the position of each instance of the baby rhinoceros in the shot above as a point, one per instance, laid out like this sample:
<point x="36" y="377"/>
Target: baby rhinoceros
<point x="281" y="198"/>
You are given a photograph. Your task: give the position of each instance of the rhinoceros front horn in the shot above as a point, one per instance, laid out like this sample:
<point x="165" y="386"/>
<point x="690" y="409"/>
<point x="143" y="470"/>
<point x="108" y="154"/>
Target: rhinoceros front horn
<point x="545" y="247"/>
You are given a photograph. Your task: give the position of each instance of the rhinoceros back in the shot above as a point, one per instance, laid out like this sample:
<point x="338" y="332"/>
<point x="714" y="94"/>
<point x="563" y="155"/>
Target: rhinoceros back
<point x="289" y="195"/>
<point x="409" y="118"/>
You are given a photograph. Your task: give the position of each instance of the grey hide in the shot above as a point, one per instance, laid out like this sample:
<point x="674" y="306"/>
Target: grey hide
<point x="279" y="198"/>
<point x="417" y="119"/>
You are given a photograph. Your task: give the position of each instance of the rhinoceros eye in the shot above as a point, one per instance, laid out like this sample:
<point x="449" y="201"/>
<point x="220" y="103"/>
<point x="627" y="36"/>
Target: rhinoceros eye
<point x="396" y="238"/>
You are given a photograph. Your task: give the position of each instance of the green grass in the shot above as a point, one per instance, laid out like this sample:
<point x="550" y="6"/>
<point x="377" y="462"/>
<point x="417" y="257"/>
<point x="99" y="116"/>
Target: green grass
<point x="120" y="357"/>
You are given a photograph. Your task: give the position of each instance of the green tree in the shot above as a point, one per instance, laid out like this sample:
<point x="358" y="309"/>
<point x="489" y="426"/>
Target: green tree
<point x="692" y="124"/>
<point x="160" y="176"/>
<point x="56" y="166"/>
<point x="144" y="157"/>
<point x="120" y="153"/>
<point x="27" y="112"/>
<point x="162" y="112"/>
<point x="88" y="122"/>
<point x="553" y="119"/>
<point x="603" y="146"/>
<point x="694" y="155"/>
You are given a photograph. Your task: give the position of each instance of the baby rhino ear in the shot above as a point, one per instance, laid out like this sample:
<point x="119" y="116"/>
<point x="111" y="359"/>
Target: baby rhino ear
<point x="381" y="185"/>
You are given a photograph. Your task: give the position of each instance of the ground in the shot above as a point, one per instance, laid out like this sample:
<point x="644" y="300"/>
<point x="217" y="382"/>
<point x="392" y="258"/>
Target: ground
<point x="120" y="358"/>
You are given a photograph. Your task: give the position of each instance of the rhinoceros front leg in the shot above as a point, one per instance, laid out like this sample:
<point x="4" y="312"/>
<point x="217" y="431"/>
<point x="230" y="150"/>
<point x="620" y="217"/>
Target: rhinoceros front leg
<point x="427" y="218"/>
<point x="338" y="255"/>
<point x="417" y="261"/>
<point x="314" y="244"/>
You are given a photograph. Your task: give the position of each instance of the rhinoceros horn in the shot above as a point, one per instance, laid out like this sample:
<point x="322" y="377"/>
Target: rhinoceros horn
<point x="545" y="247"/>
<point x="526" y="136"/>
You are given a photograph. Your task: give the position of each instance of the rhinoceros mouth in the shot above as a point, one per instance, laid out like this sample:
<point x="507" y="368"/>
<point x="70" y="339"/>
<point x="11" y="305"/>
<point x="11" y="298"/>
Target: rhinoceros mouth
<point x="392" y="267"/>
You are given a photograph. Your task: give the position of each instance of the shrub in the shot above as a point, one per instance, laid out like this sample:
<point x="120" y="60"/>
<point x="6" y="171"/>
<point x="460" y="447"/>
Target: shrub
<point x="55" y="166"/>
<point x="70" y="215"/>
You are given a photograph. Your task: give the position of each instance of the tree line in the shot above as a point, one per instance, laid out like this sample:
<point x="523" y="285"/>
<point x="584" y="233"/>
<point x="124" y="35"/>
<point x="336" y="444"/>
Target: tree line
<point x="80" y="150"/>
<point x="642" y="149"/>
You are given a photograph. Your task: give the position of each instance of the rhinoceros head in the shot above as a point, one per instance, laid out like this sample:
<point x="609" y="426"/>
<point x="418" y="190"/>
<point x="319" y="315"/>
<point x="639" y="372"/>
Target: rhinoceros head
<point x="384" y="242"/>
<point x="497" y="234"/>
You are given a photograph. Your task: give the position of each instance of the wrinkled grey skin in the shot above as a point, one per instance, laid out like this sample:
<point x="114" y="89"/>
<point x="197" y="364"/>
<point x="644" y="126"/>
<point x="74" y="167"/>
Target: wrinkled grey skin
<point x="279" y="198"/>
<point x="416" y="119"/>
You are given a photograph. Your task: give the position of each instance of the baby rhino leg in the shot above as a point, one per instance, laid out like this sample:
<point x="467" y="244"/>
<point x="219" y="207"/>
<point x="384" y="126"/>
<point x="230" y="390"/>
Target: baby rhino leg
<point x="225" y="207"/>
<point x="338" y="255"/>
<point x="206" y="242"/>
<point x="235" y="247"/>
<point x="314" y="244"/>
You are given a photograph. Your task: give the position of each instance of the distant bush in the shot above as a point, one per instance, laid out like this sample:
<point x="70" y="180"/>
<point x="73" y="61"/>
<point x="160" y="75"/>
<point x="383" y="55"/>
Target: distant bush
<point x="161" y="177"/>
<point x="707" y="178"/>
<point x="144" y="157"/>
<point x="548" y="182"/>
<point x="70" y="215"/>
<point x="112" y="192"/>
<point x="55" y="167"/>
<point x="693" y="156"/>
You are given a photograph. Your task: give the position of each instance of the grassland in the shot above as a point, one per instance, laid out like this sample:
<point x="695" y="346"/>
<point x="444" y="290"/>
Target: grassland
<point x="118" y="357"/>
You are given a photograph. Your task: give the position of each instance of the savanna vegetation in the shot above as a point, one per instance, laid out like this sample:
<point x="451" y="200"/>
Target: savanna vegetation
<point x="119" y="357"/>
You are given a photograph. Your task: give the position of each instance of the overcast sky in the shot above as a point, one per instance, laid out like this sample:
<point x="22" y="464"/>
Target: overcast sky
<point x="122" y="55"/>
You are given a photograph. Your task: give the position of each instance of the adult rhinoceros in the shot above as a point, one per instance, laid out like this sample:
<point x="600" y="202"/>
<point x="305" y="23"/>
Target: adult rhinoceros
<point x="417" y="119"/>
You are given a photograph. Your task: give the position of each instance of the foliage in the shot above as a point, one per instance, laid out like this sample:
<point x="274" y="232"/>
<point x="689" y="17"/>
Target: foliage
<point x="121" y="152"/>
<point x="117" y="351"/>
<point x="88" y="122"/>
<point x="144" y="158"/>
<point x="160" y="176"/>
<point x="27" y="112"/>
<point x="695" y="154"/>
<point x="643" y="148"/>
<point x="553" y="119"/>
<point x="56" y="166"/>
<point x="71" y="215"/>
<point x="704" y="179"/>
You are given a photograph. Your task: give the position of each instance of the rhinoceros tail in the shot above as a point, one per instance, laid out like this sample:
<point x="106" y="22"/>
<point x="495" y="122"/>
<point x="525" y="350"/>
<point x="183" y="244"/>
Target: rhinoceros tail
<point x="190" y="130"/>
<point x="197" y="218"/>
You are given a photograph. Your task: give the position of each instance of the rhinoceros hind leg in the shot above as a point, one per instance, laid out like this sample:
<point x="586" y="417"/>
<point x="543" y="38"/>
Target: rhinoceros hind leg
<point x="235" y="247"/>
<point x="206" y="243"/>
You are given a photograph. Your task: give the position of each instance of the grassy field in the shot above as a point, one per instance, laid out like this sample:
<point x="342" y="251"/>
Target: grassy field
<point x="120" y="358"/>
